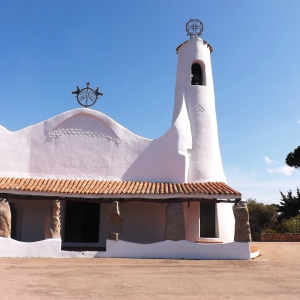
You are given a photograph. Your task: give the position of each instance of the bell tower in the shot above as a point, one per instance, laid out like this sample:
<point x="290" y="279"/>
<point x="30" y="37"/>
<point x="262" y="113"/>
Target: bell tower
<point x="194" y="85"/>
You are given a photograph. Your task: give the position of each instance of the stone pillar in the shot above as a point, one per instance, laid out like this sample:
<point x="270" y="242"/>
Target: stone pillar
<point x="114" y="221"/>
<point x="5" y="219"/>
<point x="175" y="225"/>
<point x="242" y="232"/>
<point x="52" y="223"/>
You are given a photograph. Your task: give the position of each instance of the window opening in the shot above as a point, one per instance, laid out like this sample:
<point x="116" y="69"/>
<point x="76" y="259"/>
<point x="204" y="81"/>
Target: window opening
<point x="197" y="78"/>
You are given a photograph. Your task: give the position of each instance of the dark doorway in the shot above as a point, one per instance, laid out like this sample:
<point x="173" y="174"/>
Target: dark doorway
<point x="197" y="77"/>
<point x="207" y="220"/>
<point x="82" y="222"/>
<point x="14" y="216"/>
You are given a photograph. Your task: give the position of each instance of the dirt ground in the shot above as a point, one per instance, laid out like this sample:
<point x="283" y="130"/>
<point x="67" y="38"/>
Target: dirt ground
<point x="275" y="274"/>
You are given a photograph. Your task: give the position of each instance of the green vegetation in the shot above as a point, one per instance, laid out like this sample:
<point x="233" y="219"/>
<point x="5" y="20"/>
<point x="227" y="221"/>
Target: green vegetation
<point x="293" y="158"/>
<point x="291" y="225"/>
<point x="289" y="205"/>
<point x="272" y="218"/>
<point x="261" y="217"/>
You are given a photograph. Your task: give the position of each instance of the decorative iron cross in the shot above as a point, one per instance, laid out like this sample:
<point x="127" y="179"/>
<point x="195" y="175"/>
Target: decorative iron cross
<point x="194" y="27"/>
<point x="87" y="97"/>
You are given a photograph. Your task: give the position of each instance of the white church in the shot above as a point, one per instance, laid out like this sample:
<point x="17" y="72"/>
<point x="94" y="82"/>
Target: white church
<point x="82" y="185"/>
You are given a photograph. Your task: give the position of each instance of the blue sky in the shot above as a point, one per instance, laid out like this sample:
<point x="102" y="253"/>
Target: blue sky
<point x="127" y="48"/>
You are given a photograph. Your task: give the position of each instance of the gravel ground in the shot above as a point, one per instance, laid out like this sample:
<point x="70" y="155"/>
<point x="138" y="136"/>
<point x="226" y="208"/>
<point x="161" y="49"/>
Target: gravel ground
<point x="274" y="274"/>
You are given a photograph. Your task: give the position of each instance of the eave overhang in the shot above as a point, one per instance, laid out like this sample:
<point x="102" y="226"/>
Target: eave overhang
<point x="109" y="190"/>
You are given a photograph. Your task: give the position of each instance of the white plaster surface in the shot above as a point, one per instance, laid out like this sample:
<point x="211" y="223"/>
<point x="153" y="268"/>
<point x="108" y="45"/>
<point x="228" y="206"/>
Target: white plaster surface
<point x="255" y="254"/>
<point x="226" y="222"/>
<point x="45" y="248"/>
<point x="84" y="143"/>
<point x="165" y="249"/>
<point x="178" y="250"/>
<point x="205" y="158"/>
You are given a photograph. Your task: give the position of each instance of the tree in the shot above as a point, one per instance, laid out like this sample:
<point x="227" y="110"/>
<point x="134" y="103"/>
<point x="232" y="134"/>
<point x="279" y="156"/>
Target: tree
<point x="261" y="217"/>
<point x="289" y="205"/>
<point x="291" y="225"/>
<point x="293" y="158"/>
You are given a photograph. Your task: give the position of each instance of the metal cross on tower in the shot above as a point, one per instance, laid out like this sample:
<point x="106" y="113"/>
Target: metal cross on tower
<point x="194" y="27"/>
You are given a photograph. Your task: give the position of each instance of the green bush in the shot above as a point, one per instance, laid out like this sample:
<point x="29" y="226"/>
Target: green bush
<point x="291" y="225"/>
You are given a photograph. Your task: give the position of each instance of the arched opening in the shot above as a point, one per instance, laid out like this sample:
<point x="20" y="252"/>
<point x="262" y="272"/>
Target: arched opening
<point x="197" y="77"/>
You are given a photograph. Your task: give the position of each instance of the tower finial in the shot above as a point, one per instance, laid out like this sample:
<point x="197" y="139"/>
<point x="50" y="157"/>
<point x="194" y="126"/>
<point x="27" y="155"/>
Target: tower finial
<point x="194" y="27"/>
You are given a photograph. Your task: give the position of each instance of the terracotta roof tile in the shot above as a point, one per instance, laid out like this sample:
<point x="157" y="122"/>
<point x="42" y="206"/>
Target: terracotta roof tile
<point x="87" y="187"/>
<point x="116" y="187"/>
<point x="157" y="188"/>
<point x="7" y="181"/>
<point x="135" y="187"/>
<point x="40" y="184"/>
<point x="130" y="187"/>
<point x="144" y="188"/>
<point x="69" y="186"/>
<point x="72" y="187"/>
<point x="103" y="186"/>
<point x="97" y="186"/>
<point x="80" y="186"/>
<point x="148" y="188"/>
<point x="111" y="187"/>
<point x="108" y="187"/>
<point x="139" y="188"/>
<point x="13" y="180"/>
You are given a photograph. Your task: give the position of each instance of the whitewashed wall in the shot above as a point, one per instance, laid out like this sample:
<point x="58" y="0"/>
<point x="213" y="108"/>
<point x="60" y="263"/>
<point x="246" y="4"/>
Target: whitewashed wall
<point x="84" y="143"/>
<point x="205" y="158"/>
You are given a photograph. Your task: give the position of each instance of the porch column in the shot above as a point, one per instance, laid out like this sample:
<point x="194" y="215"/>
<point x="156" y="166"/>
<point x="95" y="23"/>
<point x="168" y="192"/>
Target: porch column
<point x="52" y="223"/>
<point x="5" y="219"/>
<point x="114" y="221"/>
<point x="175" y="224"/>
<point x="242" y="232"/>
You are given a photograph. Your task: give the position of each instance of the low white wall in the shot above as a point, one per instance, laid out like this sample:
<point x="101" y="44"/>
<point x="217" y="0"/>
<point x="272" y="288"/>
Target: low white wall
<point x="45" y="248"/>
<point x="178" y="250"/>
<point x="165" y="249"/>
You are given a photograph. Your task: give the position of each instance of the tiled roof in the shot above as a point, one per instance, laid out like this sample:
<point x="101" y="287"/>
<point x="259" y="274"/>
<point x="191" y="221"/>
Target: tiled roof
<point x="205" y="43"/>
<point x="110" y="187"/>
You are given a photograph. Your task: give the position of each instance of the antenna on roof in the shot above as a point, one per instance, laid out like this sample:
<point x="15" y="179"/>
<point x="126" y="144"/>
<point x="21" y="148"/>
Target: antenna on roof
<point x="194" y="27"/>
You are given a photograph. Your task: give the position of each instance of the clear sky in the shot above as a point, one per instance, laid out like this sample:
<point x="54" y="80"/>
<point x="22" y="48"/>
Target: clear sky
<point x="127" y="48"/>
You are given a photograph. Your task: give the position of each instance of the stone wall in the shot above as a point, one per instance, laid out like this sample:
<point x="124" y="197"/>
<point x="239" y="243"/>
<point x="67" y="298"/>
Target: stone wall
<point x="280" y="237"/>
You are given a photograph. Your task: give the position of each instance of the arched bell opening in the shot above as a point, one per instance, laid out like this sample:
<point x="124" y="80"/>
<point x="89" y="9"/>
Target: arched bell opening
<point x="198" y="73"/>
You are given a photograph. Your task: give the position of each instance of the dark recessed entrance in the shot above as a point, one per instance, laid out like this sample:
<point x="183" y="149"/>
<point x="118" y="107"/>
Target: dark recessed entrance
<point x="82" y="222"/>
<point x="207" y="220"/>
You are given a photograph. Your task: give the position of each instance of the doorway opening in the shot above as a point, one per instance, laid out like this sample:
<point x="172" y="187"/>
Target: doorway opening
<point x="82" y="222"/>
<point x="207" y="220"/>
